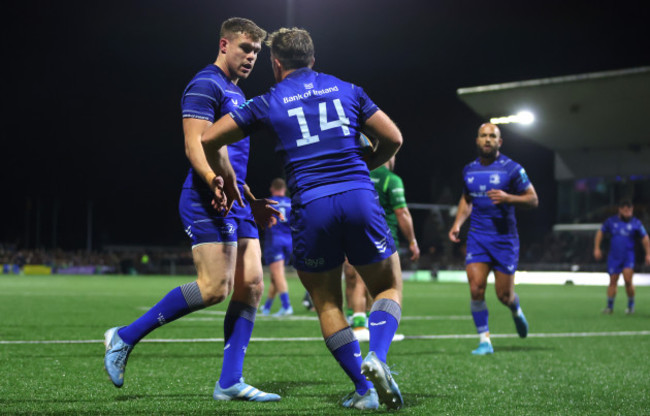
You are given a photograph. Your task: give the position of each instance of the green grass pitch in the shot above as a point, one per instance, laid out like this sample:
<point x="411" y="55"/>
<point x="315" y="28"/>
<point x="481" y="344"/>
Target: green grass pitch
<point x="605" y="375"/>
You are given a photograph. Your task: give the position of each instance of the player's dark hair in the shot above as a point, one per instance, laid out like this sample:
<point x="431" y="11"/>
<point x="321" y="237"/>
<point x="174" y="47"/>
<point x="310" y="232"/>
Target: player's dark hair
<point x="278" y="184"/>
<point x="292" y="47"/>
<point x="625" y="203"/>
<point x="240" y="25"/>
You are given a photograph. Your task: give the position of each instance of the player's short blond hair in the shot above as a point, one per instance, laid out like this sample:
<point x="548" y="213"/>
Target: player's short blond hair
<point x="240" y="25"/>
<point x="278" y="184"/>
<point x="293" y="47"/>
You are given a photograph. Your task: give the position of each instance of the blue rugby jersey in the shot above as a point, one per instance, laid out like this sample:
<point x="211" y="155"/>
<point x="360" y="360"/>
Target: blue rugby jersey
<point x="209" y="96"/>
<point x="505" y="174"/>
<point x="280" y="231"/>
<point x="316" y="120"/>
<point x="623" y="234"/>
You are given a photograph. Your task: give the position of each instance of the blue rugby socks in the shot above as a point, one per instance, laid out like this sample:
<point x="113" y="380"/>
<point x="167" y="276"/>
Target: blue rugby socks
<point x="284" y="298"/>
<point x="610" y="302"/>
<point x="382" y="324"/>
<point x="237" y="330"/>
<point x="268" y="304"/>
<point x="630" y="303"/>
<point x="177" y="303"/>
<point x="514" y="307"/>
<point x="480" y="314"/>
<point x="345" y="348"/>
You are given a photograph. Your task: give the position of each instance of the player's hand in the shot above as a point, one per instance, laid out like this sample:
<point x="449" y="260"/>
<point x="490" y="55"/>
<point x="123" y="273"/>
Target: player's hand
<point x="497" y="196"/>
<point x="220" y="200"/>
<point x="415" y="250"/>
<point x="264" y="213"/>
<point x="598" y="254"/>
<point x="454" y="234"/>
<point x="231" y="191"/>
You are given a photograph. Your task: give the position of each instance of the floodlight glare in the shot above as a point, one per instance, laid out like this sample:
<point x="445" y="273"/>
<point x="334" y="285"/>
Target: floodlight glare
<point x="522" y="117"/>
<point x="526" y="117"/>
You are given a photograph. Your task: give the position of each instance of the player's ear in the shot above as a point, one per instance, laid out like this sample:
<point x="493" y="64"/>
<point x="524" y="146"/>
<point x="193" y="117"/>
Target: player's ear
<point x="223" y="44"/>
<point x="311" y="65"/>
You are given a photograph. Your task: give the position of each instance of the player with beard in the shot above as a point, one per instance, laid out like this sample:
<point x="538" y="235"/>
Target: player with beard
<point x="623" y="228"/>
<point x="493" y="185"/>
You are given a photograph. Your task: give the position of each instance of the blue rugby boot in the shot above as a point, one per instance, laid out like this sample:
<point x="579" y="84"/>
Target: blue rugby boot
<point x="367" y="401"/>
<point x="284" y="312"/>
<point x="521" y="324"/>
<point x="380" y="376"/>
<point x="484" y="348"/>
<point x="243" y="391"/>
<point x="117" y="354"/>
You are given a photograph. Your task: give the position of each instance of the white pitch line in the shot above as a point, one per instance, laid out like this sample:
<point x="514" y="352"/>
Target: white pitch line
<point x="315" y="318"/>
<point x="309" y="339"/>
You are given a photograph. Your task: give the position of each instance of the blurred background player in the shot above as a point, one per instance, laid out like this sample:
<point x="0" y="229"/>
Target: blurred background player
<point x="277" y="250"/>
<point x="493" y="185"/>
<point x="624" y="228"/>
<point x="316" y="120"/>
<point x="390" y="189"/>
<point x="226" y="250"/>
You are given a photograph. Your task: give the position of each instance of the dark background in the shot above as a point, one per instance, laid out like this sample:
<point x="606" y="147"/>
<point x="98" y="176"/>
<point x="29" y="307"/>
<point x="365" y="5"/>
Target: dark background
<point x="92" y="91"/>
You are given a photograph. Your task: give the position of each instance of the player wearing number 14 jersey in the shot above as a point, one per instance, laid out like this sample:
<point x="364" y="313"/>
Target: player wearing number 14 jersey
<point x="316" y="120"/>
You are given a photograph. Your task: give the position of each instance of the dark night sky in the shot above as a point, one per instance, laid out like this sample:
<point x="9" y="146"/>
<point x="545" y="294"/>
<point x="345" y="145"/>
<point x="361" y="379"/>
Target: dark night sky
<point x="92" y="94"/>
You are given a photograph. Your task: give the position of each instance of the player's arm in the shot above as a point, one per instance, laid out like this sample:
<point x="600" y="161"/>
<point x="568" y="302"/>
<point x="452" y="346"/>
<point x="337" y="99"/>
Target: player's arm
<point x="405" y="223"/>
<point x="262" y="210"/>
<point x="597" y="240"/>
<point x="219" y="184"/>
<point x="389" y="139"/>
<point x="463" y="212"/>
<point x="527" y="199"/>
<point x="646" y="246"/>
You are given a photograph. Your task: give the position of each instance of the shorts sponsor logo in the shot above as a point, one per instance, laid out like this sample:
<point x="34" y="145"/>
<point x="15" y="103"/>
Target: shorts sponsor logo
<point x="188" y="231"/>
<point x="511" y="267"/>
<point x="357" y="354"/>
<point x="314" y="262"/>
<point x="227" y="229"/>
<point x="377" y="323"/>
<point x="469" y="256"/>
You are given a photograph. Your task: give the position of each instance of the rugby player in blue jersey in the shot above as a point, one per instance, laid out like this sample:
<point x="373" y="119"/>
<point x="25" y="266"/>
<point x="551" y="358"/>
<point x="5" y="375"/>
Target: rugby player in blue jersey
<point x="493" y="186"/>
<point x="226" y="250"/>
<point x="316" y="120"/>
<point x="624" y="228"/>
<point x="277" y="250"/>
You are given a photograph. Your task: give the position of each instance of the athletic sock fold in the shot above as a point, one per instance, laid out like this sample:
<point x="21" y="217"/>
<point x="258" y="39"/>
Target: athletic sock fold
<point x="480" y="314"/>
<point x="382" y="324"/>
<point x="177" y="303"/>
<point x="345" y="348"/>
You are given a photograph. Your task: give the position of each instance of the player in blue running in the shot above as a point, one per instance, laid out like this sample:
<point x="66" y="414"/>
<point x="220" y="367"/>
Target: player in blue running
<point x="277" y="250"/>
<point x="493" y="186"/>
<point x="226" y="250"/>
<point x="316" y="120"/>
<point x="624" y="228"/>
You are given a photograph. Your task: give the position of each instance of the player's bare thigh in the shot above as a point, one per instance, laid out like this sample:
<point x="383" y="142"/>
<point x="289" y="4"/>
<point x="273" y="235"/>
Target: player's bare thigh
<point x="277" y="276"/>
<point x="249" y="283"/>
<point x="477" y="274"/>
<point x="628" y="274"/>
<point x="383" y="279"/>
<point x="504" y="284"/>
<point x="215" y="267"/>
<point x="325" y="291"/>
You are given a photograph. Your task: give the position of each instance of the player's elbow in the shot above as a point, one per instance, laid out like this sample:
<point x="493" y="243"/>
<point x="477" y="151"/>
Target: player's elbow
<point x="534" y="202"/>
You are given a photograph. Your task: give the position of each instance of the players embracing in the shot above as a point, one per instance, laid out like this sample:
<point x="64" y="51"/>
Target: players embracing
<point x="493" y="185"/>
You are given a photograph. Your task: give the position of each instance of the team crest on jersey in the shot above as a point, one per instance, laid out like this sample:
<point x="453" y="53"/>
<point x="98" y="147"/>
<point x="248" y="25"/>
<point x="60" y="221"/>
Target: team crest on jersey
<point x="309" y="86"/>
<point x="494" y="179"/>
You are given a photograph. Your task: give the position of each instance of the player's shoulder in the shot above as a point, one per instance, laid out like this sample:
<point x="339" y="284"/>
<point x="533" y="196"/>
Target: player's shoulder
<point x="474" y="164"/>
<point x="212" y="77"/>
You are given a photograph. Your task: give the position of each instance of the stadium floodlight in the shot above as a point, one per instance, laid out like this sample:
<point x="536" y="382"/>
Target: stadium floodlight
<point x="523" y="117"/>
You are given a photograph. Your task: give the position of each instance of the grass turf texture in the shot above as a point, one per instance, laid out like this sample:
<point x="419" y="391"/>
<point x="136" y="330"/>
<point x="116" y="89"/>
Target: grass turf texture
<point x="590" y="375"/>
